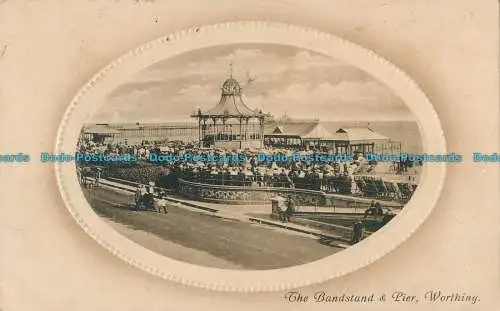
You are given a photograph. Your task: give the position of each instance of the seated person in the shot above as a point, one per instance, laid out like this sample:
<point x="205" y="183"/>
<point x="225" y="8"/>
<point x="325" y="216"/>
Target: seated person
<point x="375" y="209"/>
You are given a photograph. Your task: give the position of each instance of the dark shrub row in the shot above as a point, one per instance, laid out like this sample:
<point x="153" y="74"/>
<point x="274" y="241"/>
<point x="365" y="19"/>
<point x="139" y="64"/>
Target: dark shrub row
<point x="144" y="174"/>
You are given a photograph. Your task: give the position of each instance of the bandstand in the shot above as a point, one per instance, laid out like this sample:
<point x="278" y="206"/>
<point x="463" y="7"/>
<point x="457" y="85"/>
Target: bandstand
<point x="231" y="124"/>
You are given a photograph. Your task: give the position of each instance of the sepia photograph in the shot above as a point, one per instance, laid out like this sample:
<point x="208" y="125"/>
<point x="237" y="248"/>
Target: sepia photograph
<point x="249" y="157"/>
<point x="167" y="155"/>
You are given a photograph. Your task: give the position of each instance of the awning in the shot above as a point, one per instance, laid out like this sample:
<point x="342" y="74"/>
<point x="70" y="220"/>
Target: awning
<point x="318" y="132"/>
<point x="358" y="136"/>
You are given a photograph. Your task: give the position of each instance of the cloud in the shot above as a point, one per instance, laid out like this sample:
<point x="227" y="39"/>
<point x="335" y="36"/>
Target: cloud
<point x="133" y="88"/>
<point x="302" y="83"/>
<point x="346" y="99"/>
<point x="265" y="66"/>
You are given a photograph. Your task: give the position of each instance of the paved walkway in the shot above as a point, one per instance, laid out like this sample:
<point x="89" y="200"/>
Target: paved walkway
<point x="367" y="201"/>
<point x="250" y="212"/>
<point x="266" y="208"/>
<point x="243" y="209"/>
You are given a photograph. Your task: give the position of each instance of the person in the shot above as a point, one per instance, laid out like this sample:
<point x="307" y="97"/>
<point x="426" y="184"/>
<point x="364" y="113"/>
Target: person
<point x="85" y="173"/>
<point x="138" y="197"/>
<point x="97" y="176"/>
<point x="148" y="199"/>
<point x="357" y="232"/>
<point x="375" y="209"/>
<point x="161" y="203"/>
<point x="378" y="209"/>
<point x="80" y="175"/>
<point x="282" y="210"/>
<point x="371" y="209"/>
<point x="143" y="196"/>
<point x="290" y="208"/>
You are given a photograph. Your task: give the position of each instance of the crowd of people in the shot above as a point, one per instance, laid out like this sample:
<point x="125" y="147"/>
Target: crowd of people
<point x="250" y="171"/>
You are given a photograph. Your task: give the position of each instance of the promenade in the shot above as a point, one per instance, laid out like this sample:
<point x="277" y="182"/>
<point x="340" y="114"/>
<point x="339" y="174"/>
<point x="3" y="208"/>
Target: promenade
<point x="261" y="214"/>
<point x="207" y="238"/>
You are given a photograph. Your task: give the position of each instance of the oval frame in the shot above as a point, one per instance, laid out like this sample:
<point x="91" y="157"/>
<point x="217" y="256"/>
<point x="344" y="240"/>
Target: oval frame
<point x="339" y="264"/>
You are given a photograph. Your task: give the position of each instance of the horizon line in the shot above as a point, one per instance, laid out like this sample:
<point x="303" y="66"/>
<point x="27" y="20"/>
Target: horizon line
<point x="289" y="119"/>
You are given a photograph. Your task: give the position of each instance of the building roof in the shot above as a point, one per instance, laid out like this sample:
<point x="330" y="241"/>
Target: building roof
<point x="231" y="103"/>
<point x="358" y="134"/>
<point x="290" y="128"/>
<point x="278" y="130"/>
<point x="318" y="132"/>
<point x="231" y="87"/>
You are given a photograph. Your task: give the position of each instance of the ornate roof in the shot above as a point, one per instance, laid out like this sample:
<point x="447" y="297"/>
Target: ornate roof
<point x="231" y="103"/>
<point x="231" y="87"/>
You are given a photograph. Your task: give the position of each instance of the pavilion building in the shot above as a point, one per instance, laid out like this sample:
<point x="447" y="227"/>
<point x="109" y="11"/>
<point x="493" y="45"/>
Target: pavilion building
<point x="363" y="140"/>
<point x="99" y="134"/>
<point x="314" y="135"/>
<point x="297" y="135"/>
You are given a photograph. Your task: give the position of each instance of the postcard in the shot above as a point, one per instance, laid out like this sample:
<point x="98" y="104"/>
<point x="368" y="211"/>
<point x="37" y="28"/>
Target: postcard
<point x="306" y="163"/>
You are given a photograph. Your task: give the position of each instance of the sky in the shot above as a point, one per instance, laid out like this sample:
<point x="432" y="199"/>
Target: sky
<point x="275" y="78"/>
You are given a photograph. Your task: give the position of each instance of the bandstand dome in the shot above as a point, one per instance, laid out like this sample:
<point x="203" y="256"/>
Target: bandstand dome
<point x="231" y="102"/>
<point x="231" y="86"/>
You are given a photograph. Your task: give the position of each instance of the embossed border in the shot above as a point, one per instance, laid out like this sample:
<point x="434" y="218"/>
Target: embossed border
<point x="346" y="261"/>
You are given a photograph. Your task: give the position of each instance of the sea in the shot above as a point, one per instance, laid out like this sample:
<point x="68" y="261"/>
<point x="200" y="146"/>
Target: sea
<point x="405" y="132"/>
